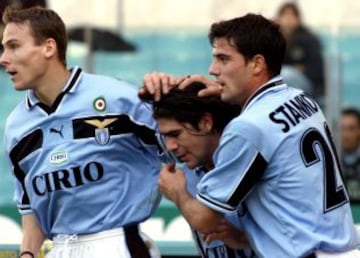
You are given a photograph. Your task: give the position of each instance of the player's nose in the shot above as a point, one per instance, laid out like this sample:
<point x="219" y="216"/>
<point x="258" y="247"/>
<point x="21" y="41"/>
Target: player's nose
<point x="213" y="69"/>
<point x="171" y="145"/>
<point x="4" y="60"/>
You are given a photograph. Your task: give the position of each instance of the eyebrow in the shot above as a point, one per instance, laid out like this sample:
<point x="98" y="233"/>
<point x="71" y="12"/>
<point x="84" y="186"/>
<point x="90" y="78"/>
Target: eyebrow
<point x="171" y="132"/>
<point x="9" y="42"/>
<point x="221" y="55"/>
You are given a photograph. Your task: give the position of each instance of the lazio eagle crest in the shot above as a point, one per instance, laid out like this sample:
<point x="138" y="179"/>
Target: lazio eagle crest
<point x="102" y="135"/>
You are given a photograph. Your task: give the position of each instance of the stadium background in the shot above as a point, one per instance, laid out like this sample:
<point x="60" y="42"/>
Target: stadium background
<point x="171" y="36"/>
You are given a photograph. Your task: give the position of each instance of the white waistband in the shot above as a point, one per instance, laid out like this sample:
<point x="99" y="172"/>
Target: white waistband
<point x="72" y="239"/>
<point x="355" y="253"/>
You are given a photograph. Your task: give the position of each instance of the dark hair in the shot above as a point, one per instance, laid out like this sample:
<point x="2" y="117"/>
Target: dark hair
<point x="44" y="23"/>
<point x="253" y="34"/>
<point x="289" y="6"/>
<point x="351" y="112"/>
<point x="186" y="107"/>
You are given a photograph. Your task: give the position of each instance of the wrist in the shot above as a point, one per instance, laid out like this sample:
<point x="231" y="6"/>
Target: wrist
<point x="181" y="198"/>
<point x="26" y="254"/>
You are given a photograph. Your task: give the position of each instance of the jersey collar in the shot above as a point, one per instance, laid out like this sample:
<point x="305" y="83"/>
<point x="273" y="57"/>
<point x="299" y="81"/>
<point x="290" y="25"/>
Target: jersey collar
<point x="274" y="82"/>
<point x="201" y="170"/>
<point x="70" y="86"/>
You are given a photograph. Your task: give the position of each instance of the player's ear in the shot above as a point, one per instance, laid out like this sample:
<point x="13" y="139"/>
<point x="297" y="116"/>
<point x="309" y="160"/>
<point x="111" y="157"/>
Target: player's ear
<point x="50" y="48"/>
<point x="258" y="64"/>
<point x="206" y="123"/>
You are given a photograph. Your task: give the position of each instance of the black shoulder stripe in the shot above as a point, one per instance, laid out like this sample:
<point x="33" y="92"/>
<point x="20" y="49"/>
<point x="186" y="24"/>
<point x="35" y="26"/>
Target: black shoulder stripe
<point x="25" y="198"/>
<point x="252" y="176"/>
<point x="218" y="204"/>
<point x="26" y="146"/>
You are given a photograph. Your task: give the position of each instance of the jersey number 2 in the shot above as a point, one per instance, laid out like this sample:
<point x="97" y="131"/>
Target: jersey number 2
<point x="335" y="193"/>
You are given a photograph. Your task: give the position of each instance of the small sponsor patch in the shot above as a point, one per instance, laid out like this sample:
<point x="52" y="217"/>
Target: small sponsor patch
<point x="99" y="104"/>
<point x="58" y="158"/>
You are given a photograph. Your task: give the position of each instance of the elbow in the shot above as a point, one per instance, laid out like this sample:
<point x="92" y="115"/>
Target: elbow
<point x="206" y="223"/>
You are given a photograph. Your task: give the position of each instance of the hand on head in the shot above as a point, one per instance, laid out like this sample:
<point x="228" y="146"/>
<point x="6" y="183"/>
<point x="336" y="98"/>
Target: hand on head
<point x="212" y="87"/>
<point x="155" y="84"/>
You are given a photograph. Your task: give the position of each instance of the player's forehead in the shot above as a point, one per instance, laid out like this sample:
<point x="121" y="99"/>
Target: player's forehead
<point x="167" y="125"/>
<point x="349" y="117"/>
<point x="17" y="32"/>
<point x="349" y="120"/>
<point x="223" y="46"/>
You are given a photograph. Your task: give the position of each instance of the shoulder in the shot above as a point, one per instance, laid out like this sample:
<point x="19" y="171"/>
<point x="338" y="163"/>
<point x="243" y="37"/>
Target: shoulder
<point x="240" y="125"/>
<point x="15" y="122"/>
<point x="269" y="116"/>
<point x="256" y="115"/>
<point x="112" y="89"/>
<point x="115" y="96"/>
<point x="96" y="81"/>
<point x="243" y="131"/>
<point x="17" y="115"/>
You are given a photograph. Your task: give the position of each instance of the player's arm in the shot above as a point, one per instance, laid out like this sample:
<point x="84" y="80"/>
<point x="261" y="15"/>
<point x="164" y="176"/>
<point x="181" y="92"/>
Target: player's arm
<point x="33" y="236"/>
<point x="172" y="183"/>
<point x="229" y="234"/>
<point x="198" y="215"/>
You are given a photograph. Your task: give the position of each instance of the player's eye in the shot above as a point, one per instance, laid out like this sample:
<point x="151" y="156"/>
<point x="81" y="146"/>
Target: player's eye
<point x="172" y="134"/>
<point x="12" y="46"/>
<point x="222" y="58"/>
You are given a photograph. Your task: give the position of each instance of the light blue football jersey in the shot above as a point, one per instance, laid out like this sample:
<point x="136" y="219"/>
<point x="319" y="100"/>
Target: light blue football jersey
<point x="90" y="162"/>
<point x="216" y="249"/>
<point x="277" y="166"/>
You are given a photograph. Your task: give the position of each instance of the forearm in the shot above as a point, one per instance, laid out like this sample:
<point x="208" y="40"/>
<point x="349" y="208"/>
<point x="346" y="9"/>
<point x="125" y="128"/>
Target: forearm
<point x="199" y="216"/>
<point x="230" y="235"/>
<point x="33" y="236"/>
<point x="172" y="183"/>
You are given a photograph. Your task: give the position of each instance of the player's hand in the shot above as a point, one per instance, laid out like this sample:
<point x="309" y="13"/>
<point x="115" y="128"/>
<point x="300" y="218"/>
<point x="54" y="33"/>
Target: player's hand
<point x="172" y="182"/>
<point x="155" y="84"/>
<point x="228" y="234"/>
<point x="212" y="86"/>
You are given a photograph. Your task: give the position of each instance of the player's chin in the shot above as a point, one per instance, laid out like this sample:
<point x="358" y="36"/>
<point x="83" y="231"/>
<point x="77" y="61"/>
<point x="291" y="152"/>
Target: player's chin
<point x="225" y="96"/>
<point x="229" y="98"/>
<point x="19" y="86"/>
<point x="191" y="164"/>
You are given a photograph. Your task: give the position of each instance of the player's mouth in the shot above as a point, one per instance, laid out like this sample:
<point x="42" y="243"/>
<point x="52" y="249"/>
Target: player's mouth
<point x="221" y="83"/>
<point x="12" y="73"/>
<point x="181" y="157"/>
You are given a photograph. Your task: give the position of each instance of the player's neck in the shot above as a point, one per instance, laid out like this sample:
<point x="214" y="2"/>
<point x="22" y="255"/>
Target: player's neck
<point x="51" y="85"/>
<point x="213" y="143"/>
<point x="256" y="83"/>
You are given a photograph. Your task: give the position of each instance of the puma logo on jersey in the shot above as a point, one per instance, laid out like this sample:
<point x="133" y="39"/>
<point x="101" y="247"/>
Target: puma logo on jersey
<point x="54" y="130"/>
